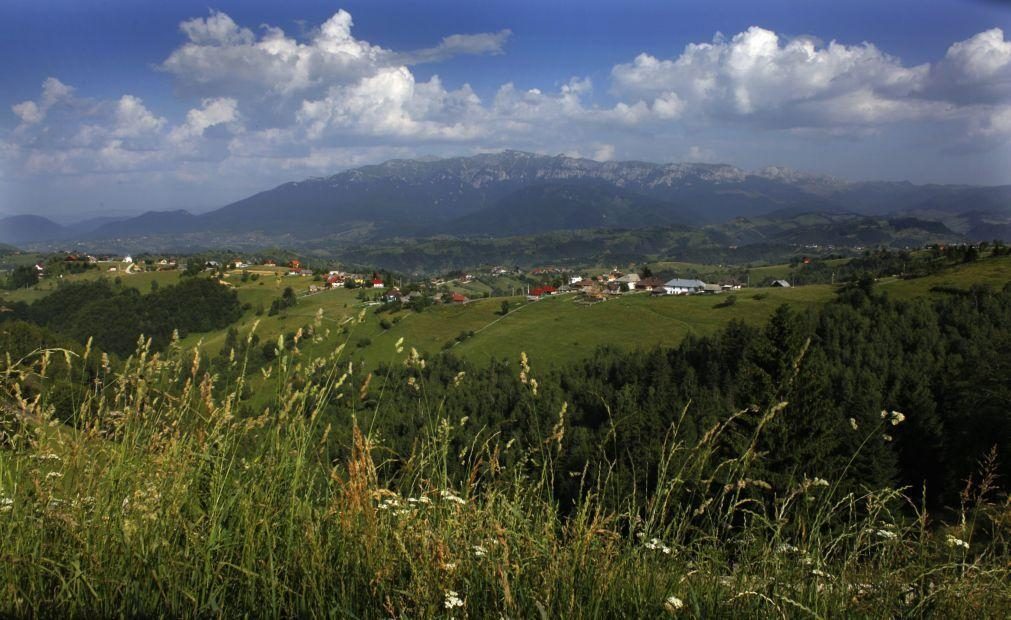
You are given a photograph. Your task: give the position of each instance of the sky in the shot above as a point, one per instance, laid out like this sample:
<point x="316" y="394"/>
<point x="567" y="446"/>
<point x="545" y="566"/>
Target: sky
<point x="111" y="107"/>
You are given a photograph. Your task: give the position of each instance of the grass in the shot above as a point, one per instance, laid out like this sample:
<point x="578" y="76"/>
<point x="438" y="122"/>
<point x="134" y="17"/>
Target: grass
<point x="994" y="272"/>
<point x="562" y="329"/>
<point x="165" y="503"/>
<point x="140" y="281"/>
<point x="553" y="331"/>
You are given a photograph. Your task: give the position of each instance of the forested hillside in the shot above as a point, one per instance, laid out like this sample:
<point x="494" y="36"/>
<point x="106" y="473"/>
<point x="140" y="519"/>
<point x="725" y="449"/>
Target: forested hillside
<point x="115" y="316"/>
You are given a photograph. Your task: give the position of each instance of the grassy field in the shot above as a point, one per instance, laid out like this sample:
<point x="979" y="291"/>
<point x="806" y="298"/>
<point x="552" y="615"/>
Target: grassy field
<point x="164" y="503"/>
<point x="139" y="280"/>
<point x="562" y="329"/>
<point x="553" y="331"/>
<point x="993" y="272"/>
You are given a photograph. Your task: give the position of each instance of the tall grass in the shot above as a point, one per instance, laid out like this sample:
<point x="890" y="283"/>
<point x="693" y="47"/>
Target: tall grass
<point x="163" y="500"/>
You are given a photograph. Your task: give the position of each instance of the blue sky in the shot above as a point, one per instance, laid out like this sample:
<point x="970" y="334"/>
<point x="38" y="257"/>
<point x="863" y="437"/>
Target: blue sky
<point x="121" y="106"/>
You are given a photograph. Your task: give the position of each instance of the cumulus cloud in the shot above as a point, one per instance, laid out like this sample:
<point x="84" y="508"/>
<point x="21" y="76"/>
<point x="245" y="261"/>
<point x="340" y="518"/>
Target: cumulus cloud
<point x="61" y="133"/>
<point x="391" y="103"/>
<point x="212" y="112"/>
<point x="134" y="120"/>
<point x="221" y="57"/>
<point x="757" y="74"/>
<point x="977" y="70"/>
<point x="53" y="92"/>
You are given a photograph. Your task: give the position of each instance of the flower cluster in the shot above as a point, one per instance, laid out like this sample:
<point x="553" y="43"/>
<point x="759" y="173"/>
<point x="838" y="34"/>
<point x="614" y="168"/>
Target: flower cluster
<point x="894" y="417"/>
<point x="448" y="495"/>
<point x="957" y="542"/>
<point x="673" y="604"/>
<point x="655" y="544"/>
<point x="453" y="599"/>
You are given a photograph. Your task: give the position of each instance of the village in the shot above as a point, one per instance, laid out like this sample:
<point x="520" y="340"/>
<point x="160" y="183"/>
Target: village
<point x="384" y="287"/>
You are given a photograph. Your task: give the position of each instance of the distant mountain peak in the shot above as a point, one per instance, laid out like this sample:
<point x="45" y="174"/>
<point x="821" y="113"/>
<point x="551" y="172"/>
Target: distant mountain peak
<point x="477" y="193"/>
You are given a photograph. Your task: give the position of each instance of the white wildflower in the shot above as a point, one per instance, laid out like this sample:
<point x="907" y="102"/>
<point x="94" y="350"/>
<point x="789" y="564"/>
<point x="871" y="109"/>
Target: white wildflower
<point x="853" y="424"/>
<point x="452" y="497"/>
<point x="54" y="475"/>
<point x="820" y="573"/>
<point x="886" y="534"/>
<point x="673" y="604"/>
<point x="6" y="504"/>
<point x="480" y="551"/>
<point x="453" y="600"/>
<point x="657" y="545"/>
<point x="957" y="542"/>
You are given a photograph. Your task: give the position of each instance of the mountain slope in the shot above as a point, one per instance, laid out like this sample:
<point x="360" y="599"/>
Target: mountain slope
<point x="506" y="193"/>
<point x="163" y="222"/>
<point x="554" y="206"/>
<point x="23" y="229"/>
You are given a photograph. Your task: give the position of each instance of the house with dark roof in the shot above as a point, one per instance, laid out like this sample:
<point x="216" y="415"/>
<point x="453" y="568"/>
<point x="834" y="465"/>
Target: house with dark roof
<point x="681" y="286"/>
<point x="648" y="284"/>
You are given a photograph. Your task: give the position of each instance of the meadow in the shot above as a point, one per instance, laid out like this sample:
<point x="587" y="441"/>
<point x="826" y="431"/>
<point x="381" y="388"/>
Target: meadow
<point x="162" y="501"/>
<point x="172" y="495"/>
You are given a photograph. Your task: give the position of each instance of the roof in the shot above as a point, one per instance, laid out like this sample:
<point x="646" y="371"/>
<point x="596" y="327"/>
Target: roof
<point x="782" y="283"/>
<point x="632" y="277"/>
<point x="682" y="283"/>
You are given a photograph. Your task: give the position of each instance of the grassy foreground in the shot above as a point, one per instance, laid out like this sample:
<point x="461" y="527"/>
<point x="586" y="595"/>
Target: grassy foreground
<point x="163" y="502"/>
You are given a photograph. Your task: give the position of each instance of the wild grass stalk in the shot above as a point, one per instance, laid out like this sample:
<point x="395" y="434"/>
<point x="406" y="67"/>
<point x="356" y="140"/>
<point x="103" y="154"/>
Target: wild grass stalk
<point x="164" y="500"/>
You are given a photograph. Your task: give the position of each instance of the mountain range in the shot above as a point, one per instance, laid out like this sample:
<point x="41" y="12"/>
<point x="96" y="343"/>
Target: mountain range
<point x="513" y="193"/>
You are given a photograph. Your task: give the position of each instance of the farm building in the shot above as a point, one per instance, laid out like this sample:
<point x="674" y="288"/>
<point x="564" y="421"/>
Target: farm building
<point x="681" y="286"/>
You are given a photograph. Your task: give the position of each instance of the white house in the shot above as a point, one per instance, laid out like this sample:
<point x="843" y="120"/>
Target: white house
<point x="680" y="286"/>
<point x="629" y="279"/>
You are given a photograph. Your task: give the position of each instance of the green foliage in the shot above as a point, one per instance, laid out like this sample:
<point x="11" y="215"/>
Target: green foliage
<point x="116" y="317"/>
<point x="24" y="276"/>
<point x="287" y="300"/>
<point x="169" y="500"/>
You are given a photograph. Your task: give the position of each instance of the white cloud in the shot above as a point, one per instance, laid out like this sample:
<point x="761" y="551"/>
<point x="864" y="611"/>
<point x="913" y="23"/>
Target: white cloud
<point x="220" y="57"/>
<point x="218" y="29"/>
<point x="977" y="70"/>
<point x="213" y="112"/>
<point x="757" y="74"/>
<point x="134" y="120"/>
<point x="53" y="92"/>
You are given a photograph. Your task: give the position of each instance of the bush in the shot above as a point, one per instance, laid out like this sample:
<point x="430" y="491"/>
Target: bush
<point x="730" y="300"/>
